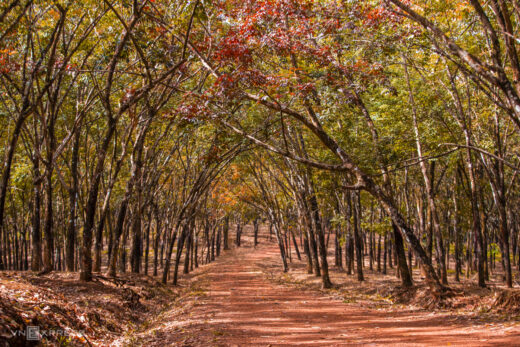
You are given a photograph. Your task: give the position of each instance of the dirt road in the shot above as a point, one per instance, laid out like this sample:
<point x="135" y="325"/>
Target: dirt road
<point x="232" y="303"/>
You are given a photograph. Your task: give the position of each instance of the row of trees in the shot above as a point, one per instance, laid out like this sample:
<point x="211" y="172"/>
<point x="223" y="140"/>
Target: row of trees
<point x="147" y="125"/>
<point x="95" y="145"/>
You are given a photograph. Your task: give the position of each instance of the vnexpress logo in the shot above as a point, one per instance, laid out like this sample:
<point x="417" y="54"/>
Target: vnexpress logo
<point x="32" y="333"/>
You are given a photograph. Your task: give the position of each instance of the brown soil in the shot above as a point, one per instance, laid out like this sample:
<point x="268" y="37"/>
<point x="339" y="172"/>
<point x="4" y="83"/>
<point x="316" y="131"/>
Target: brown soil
<point x="243" y="298"/>
<point x="240" y="300"/>
<point x="69" y="312"/>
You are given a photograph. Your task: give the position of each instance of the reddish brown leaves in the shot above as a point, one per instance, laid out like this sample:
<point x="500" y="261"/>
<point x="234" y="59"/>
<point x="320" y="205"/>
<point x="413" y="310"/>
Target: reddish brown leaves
<point x="8" y="62"/>
<point x="234" y="48"/>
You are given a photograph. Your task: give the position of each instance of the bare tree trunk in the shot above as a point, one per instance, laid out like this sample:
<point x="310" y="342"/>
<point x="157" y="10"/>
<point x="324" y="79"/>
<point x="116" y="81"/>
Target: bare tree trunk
<point x="338" y="250"/>
<point x="321" y="241"/>
<point x="156" y="241"/>
<point x="6" y="174"/>
<point x="189" y="238"/>
<point x="180" y="246"/>
<point x="169" y="251"/>
<point x="48" y="252"/>
<point x="73" y="195"/>
<point x="225" y="232"/>
<point x="137" y="240"/>
<point x="90" y="209"/>
<point x="379" y="253"/>
<point x="456" y="231"/>
<point x="255" y="232"/>
<point x="385" y="253"/>
<point x="296" y="249"/>
<point x="356" y="211"/>
<point x="304" y="235"/>
<point x="279" y="237"/>
<point x="35" y="230"/>
<point x="219" y="240"/>
<point x="312" y="243"/>
<point x="147" y="244"/>
<point x="238" y="233"/>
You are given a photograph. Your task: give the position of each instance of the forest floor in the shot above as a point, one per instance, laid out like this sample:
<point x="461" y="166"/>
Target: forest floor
<point x="67" y="312"/>
<point x="243" y="298"/>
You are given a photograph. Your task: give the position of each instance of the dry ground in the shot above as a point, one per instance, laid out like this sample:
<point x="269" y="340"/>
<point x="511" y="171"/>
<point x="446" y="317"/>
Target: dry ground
<point x="242" y="299"/>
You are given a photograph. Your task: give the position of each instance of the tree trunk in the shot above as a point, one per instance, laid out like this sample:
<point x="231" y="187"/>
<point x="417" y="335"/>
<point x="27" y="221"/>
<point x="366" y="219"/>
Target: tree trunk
<point x="90" y="208"/>
<point x="238" y="233"/>
<point x="338" y="249"/>
<point x="35" y="230"/>
<point x="219" y="240"/>
<point x="137" y="239"/>
<point x="73" y="194"/>
<point x="296" y="249"/>
<point x="48" y="252"/>
<point x="226" y="233"/>
<point x="180" y="246"/>
<point x="156" y="242"/>
<point x="187" y="254"/>
<point x="147" y="245"/>
<point x="321" y="241"/>
<point x="385" y="254"/>
<point x="379" y="253"/>
<point x="306" y="246"/>
<point x="6" y="174"/>
<point x="169" y="251"/>
<point x="355" y="207"/>
<point x="456" y="231"/>
<point x="255" y="232"/>
<point x="279" y="238"/>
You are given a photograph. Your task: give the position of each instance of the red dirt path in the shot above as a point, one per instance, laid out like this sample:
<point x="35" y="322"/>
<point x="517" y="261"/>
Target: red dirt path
<point x="232" y="303"/>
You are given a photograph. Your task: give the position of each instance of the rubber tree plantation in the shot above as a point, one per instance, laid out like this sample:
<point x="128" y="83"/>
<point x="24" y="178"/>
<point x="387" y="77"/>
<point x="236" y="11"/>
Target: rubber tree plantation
<point x="271" y="172"/>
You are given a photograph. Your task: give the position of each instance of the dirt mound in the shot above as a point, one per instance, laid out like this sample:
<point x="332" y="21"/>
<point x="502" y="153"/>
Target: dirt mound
<point x="421" y="296"/>
<point x="58" y="309"/>
<point x="507" y="301"/>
